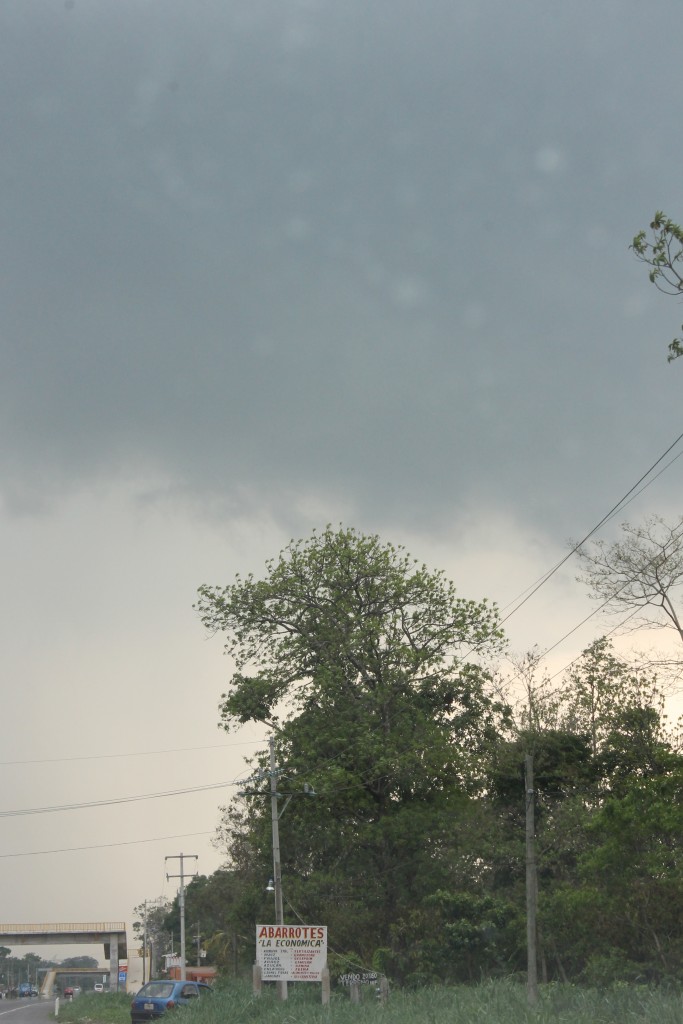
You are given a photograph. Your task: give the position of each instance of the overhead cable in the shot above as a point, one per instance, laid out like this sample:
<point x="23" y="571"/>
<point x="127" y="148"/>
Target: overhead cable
<point x="535" y="587"/>
<point x="114" y="800"/>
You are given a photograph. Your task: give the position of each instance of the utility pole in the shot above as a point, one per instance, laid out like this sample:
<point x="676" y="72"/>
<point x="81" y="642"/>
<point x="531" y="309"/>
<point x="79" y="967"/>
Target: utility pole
<point x="531" y="883"/>
<point x="144" y="944"/>
<point x="277" y="872"/>
<point x="275" y="884"/>
<point x="145" y="941"/>
<point x="181" y="904"/>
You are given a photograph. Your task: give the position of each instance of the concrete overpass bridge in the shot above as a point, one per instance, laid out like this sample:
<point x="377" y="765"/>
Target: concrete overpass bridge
<point x="112" y="935"/>
<point x="53" y="973"/>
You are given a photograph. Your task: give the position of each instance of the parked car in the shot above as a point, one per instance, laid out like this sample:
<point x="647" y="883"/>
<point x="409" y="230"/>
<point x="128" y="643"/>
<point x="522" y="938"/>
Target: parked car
<point x="68" y="993"/>
<point x="156" y="997"/>
<point x="24" y="989"/>
<point x="99" y="987"/>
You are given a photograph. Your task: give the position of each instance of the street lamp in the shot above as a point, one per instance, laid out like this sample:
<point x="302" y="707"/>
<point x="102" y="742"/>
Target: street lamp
<point x="275" y="818"/>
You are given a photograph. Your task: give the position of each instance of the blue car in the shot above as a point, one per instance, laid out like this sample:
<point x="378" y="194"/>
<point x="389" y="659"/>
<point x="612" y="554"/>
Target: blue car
<point x="156" y="997"/>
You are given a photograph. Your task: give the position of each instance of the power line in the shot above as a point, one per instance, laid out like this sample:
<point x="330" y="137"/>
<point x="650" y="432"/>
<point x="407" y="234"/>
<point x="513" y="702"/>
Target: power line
<point x="177" y="792"/>
<point x="103" y="846"/>
<point x="114" y="800"/>
<point x="579" y="656"/>
<point x="135" y="753"/>
<point x="604" y="604"/>
<point x="535" y="587"/>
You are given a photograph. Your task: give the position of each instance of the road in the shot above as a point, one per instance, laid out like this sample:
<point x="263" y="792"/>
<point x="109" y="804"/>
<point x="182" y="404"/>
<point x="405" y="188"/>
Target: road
<point x="26" y="1011"/>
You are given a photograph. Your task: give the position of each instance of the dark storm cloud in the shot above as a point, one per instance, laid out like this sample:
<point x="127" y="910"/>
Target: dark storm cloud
<point x="377" y="248"/>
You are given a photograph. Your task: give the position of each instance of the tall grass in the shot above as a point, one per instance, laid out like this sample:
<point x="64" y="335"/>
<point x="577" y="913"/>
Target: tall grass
<point x="105" y="1007"/>
<point x="499" y="1002"/>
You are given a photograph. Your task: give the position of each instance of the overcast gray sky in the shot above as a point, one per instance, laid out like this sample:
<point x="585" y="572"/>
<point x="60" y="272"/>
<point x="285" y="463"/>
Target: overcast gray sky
<point x="272" y="263"/>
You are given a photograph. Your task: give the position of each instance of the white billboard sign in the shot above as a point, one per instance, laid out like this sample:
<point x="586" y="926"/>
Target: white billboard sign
<point x="291" y="952"/>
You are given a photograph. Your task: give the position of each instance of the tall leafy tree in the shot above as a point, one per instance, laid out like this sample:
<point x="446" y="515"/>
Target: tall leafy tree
<point x="150" y="925"/>
<point x="604" y="847"/>
<point x="372" y="671"/>
<point x="598" y="689"/>
<point x="622" y="917"/>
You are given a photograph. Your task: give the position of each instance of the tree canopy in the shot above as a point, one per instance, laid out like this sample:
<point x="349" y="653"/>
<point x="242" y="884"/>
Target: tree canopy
<point x="372" y="671"/>
<point x="662" y="251"/>
<point x="340" y="616"/>
<point x="378" y="682"/>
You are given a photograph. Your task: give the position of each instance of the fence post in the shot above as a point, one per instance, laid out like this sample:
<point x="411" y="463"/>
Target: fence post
<point x="325" y="979"/>
<point x="383" y="990"/>
<point x="256" y="979"/>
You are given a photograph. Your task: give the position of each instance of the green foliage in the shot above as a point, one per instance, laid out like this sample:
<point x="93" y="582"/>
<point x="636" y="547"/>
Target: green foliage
<point x="14" y="969"/>
<point x="498" y="1002"/>
<point x="223" y="907"/>
<point x="370" y="668"/>
<point x="562" y="764"/>
<point x="342" y="615"/>
<point x="605" y="970"/>
<point x="102" y="1008"/>
<point x="79" y="961"/>
<point x="375" y="678"/>
<point x="150" y="922"/>
<point x="663" y="253"/>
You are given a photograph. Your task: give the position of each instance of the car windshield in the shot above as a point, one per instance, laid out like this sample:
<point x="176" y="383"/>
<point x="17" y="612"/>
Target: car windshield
<point x="156" y="989"/>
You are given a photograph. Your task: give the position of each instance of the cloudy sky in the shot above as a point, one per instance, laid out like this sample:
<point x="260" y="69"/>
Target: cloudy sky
<point x="268" y="264"/>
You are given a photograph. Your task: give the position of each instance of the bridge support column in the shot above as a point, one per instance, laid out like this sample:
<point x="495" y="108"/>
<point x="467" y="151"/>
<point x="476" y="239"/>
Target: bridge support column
<point x="113" y="963"/>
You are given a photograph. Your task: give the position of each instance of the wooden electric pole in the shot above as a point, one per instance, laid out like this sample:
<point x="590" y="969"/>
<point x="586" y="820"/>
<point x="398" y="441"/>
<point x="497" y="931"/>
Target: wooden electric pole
<point x="531" y="883"/>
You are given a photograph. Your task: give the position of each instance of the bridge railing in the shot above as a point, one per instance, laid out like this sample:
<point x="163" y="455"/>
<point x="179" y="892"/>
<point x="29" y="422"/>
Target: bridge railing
<point x="87" y="926"/>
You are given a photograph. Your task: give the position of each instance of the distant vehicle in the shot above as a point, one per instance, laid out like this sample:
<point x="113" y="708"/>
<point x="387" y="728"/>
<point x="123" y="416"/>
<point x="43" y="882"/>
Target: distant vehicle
<point x="156" y="997"/>
<point x="68" y="993"/>
<point x="99" y="987"/>
<point x="34" y="990"/>
<point x="24" y="989"/>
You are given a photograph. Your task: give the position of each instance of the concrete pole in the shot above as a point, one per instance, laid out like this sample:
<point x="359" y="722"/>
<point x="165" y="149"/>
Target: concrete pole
<point x="531" y="884"/>
<point x="325" y="979"/>
<point x="181" y="906"/>
<point x="277" y="872"/>
<point x="256" y="980"/>
<point x="144" y="944"/>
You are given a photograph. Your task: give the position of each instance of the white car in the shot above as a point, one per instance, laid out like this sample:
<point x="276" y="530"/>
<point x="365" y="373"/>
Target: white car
<point x="99" y="987"/>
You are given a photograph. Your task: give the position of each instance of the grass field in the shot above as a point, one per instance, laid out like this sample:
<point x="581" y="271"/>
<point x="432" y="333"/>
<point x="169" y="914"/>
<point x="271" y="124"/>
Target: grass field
<point x="498" y="1002"/>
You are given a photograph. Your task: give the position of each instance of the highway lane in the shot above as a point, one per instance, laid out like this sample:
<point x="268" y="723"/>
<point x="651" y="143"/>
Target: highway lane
<point x="27" y="1011"/>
